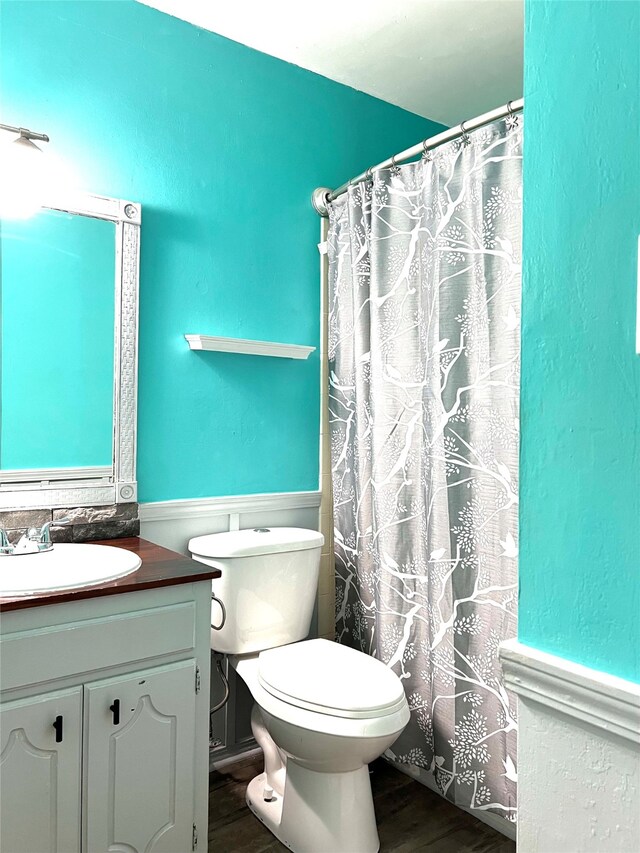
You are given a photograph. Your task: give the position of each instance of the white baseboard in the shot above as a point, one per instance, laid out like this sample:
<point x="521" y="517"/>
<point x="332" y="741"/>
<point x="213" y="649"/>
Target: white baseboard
<point x="173" y="523"/>
<point x="578" y="755"/>
<point x="220" y="759"/>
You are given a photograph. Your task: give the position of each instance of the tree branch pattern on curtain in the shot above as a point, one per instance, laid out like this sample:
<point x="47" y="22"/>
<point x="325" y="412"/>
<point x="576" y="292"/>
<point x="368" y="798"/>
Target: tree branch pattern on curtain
<point x="424" y="282"/>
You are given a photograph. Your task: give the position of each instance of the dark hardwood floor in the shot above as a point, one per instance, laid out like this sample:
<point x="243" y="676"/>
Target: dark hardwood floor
<point x="410" y="817"/>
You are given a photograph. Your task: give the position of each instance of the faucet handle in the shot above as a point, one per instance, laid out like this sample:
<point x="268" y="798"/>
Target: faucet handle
<point x="44" y="535"/>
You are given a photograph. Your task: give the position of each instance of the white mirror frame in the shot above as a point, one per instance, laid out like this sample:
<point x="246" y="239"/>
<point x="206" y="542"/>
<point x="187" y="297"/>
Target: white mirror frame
<point x="98" y="486"/>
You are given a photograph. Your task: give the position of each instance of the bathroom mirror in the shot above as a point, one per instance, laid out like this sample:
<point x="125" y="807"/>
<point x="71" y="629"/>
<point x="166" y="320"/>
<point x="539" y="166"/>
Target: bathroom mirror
<point x="69" y="315"/>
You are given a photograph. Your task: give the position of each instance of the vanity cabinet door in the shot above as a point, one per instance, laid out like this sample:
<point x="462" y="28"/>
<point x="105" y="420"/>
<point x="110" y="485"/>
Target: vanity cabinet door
<point x="139" y="761"/>
<point x="40" y="742"/>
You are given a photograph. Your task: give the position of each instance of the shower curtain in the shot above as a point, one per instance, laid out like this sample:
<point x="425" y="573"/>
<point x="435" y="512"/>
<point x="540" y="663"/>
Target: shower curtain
<point x="424" y="307"/>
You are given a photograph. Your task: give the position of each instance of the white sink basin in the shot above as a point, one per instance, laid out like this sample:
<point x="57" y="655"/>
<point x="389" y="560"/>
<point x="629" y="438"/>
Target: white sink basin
<point x="67" y="566"/>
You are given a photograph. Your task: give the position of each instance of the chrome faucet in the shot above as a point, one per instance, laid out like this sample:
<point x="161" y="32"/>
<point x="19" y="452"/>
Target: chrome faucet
<point x="33" y="541"/>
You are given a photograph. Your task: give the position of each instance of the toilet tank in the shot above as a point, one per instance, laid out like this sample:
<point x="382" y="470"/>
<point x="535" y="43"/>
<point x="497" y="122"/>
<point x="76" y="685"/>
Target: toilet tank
<point x="268" y="583"/>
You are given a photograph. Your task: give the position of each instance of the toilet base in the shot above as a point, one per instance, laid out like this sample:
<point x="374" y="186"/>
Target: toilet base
<point x="319" y="812"/>
<point x="268" y="813"/>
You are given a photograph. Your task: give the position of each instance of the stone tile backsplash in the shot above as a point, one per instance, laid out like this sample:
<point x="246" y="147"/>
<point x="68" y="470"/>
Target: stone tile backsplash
<point x="87" y="522"/>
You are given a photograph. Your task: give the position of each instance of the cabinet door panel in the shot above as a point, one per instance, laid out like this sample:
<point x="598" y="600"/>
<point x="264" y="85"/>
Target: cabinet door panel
<point x="139" y="771"/>
<point x="39" y="778"/>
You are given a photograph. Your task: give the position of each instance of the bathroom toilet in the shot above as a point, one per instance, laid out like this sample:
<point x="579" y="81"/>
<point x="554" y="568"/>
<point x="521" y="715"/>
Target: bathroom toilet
<point x="323" y="711"/>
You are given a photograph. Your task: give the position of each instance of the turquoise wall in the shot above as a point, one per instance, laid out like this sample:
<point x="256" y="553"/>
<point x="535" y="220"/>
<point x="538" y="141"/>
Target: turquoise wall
<point x="222" y="145"/>
<point x="56" y="322"/>
<point x="580" y="458"/>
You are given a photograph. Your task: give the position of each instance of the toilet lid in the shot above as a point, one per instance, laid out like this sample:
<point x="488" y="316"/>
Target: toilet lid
<point x="330" y="679"/>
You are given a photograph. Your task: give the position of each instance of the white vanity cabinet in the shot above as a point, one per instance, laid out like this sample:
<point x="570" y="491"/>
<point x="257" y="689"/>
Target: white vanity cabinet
<point x="139" y="768"/>
<point x="104" y="723"/>
<point x="40" y="772"/>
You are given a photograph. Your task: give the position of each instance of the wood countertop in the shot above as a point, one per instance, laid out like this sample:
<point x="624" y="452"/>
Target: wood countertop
<point x="160" y="567"/>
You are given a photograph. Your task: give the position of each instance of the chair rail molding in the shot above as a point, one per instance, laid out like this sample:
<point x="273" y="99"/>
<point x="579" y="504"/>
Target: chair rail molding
<point x="229" y="505"/>
<point x="602" y="700"/>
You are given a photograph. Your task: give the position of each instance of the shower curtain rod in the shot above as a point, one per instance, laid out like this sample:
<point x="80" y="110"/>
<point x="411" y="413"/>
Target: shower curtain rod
<point x="323" y="195"/>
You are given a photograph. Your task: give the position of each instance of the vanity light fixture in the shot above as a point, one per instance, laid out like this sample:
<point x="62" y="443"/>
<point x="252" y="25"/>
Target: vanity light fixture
<point x="24" y="177"/>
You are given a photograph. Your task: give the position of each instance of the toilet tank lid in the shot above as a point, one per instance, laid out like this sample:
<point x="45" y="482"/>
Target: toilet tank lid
<point x="255" y="541"/>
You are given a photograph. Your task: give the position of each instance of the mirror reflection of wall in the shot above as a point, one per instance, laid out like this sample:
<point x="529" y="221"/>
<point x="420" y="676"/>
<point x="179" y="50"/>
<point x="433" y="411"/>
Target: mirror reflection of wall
<point x="57" y="274"/>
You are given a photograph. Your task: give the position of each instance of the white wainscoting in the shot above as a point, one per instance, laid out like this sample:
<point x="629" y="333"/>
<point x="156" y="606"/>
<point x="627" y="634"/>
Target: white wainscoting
<point x="578" y="754"/>
<point x="172" y="523"/>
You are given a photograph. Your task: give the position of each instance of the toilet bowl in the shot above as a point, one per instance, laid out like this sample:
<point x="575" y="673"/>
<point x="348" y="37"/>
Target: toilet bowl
<point x="323" y="711"/>
<point x="316" y="778"/>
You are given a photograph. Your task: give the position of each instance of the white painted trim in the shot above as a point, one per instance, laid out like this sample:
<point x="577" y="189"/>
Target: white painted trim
<point x="75" y="493"/>
<point x="46" y="476"/>
<point x="602" y="700"/>
<point x="95" y="206"/>
<point x="122" y="485"/>
<point x="220" y="757"/>
<point x="232" y="504"/>
<point x="212" y="343"/>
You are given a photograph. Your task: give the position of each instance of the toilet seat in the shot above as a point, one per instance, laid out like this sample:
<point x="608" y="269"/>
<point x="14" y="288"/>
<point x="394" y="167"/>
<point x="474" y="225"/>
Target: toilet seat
<point x="331" y="679"/>
<point x="247" y="667"/>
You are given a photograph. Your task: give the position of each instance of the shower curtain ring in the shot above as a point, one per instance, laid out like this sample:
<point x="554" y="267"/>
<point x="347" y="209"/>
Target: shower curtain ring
<point x="464" y="137"/>
<point x="512" y="119"/>
<point x="395" y="169"/>
<point x="368" y="175"/>
<point x="426" y="154"/>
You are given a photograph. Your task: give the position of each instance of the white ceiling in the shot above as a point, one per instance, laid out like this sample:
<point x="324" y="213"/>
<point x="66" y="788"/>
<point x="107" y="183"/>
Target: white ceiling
<point x="447" y="60"/>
